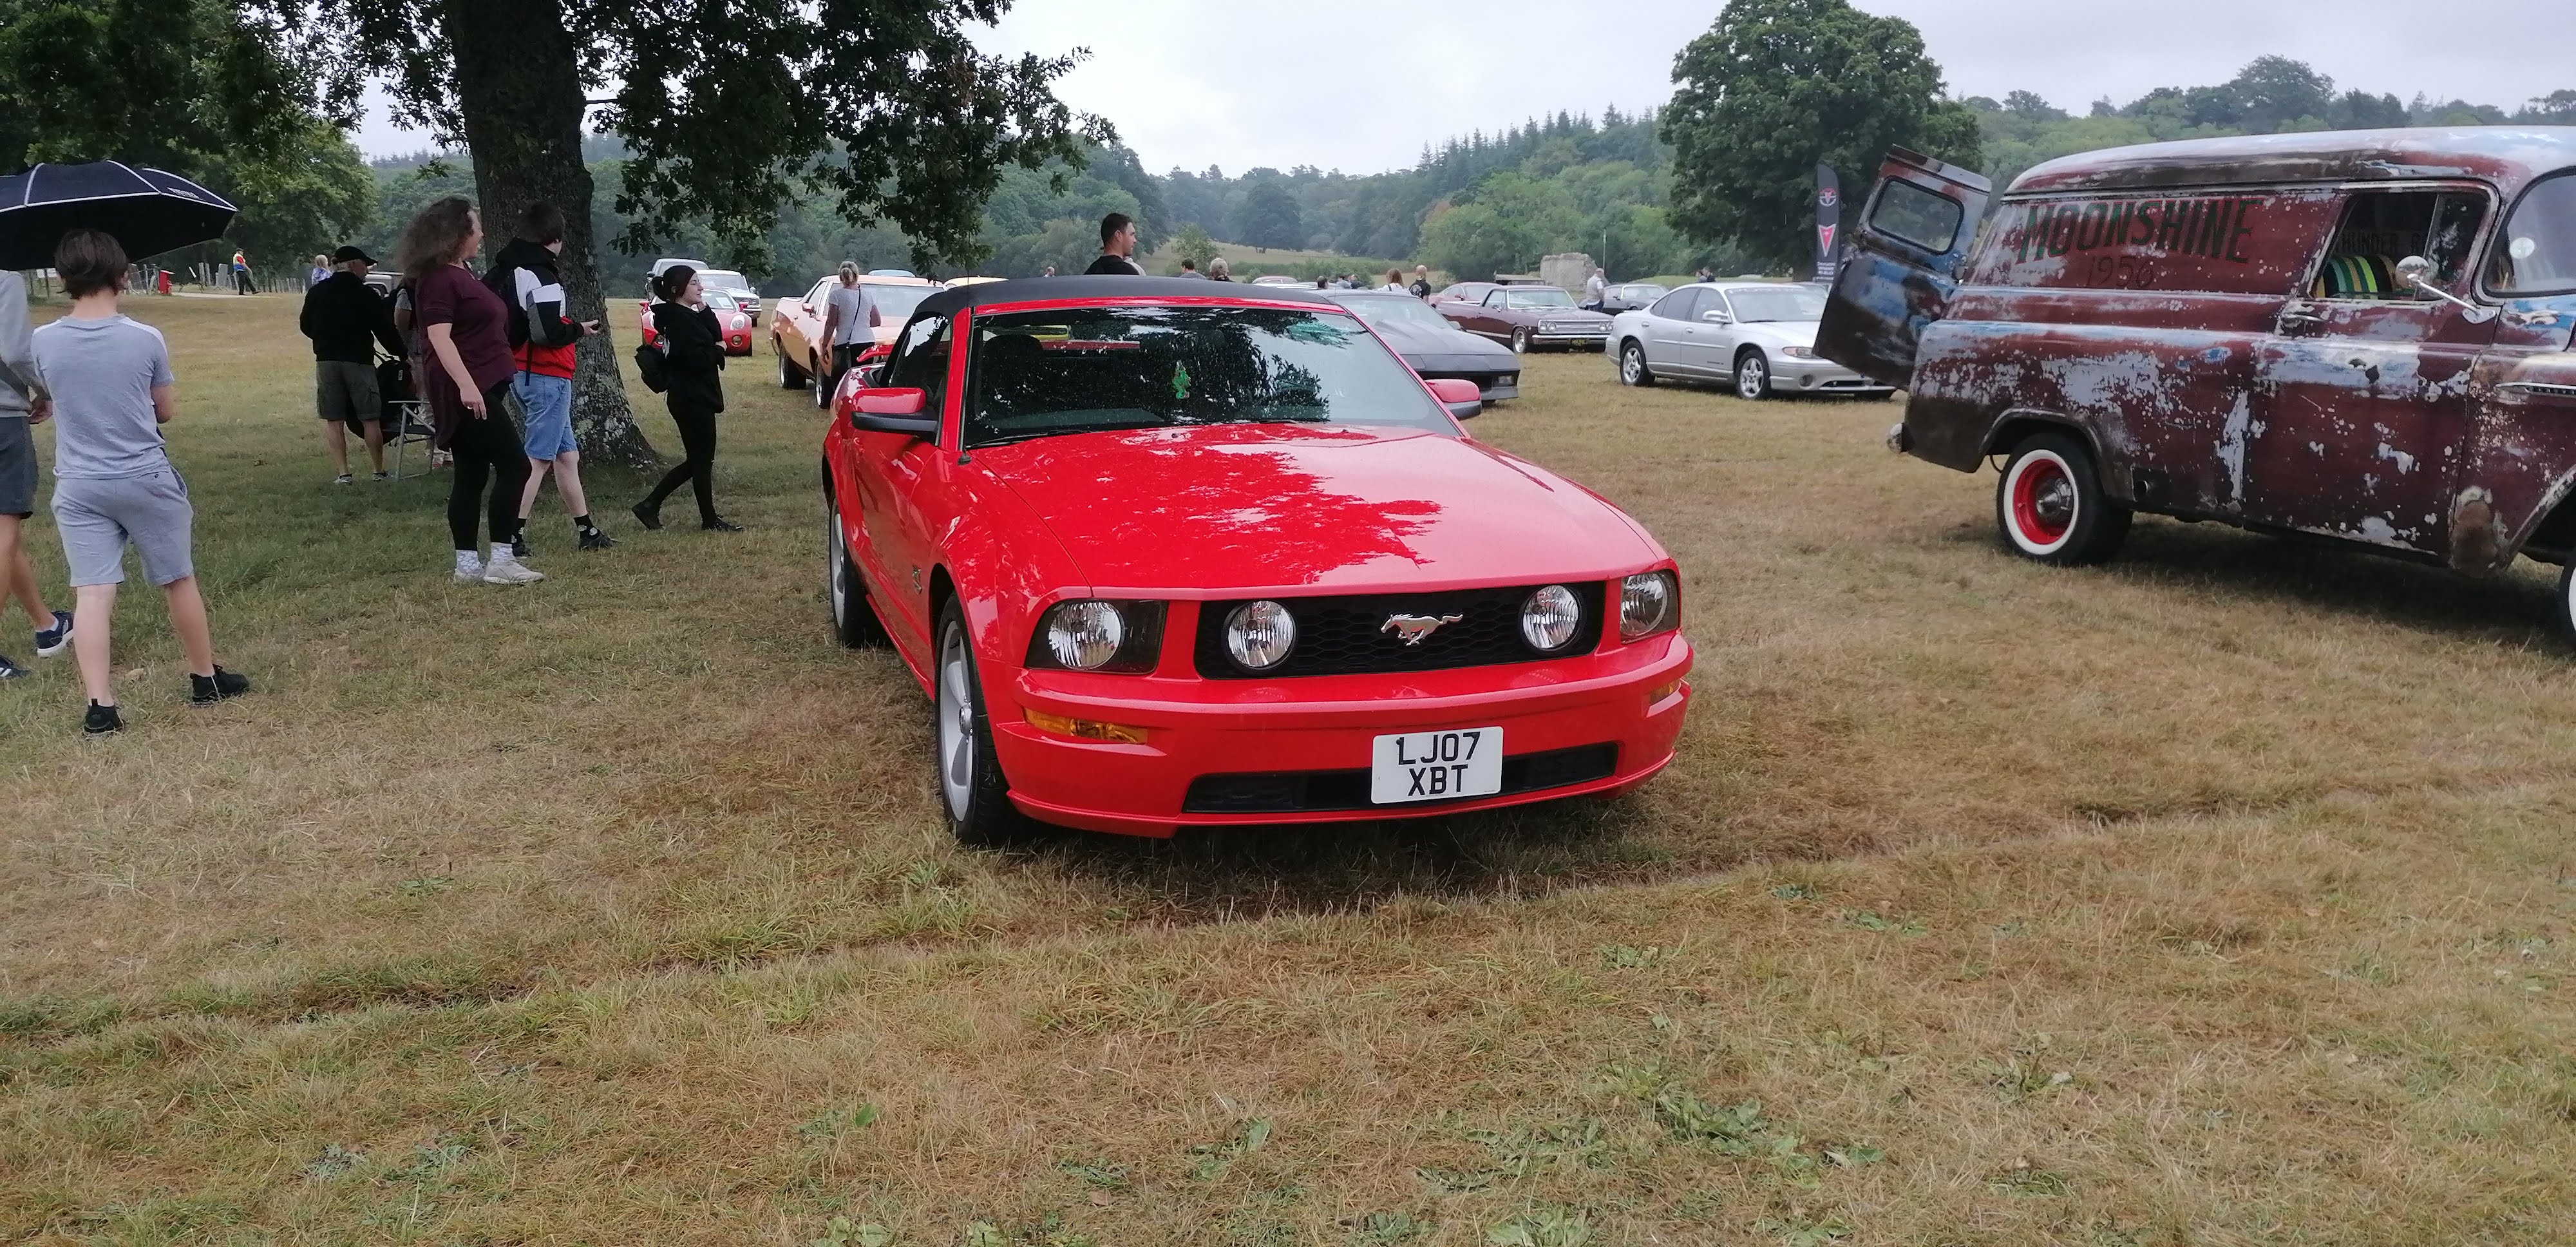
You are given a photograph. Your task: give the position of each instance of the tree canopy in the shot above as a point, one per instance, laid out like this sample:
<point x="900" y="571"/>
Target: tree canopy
<point x="1778" y="85"/>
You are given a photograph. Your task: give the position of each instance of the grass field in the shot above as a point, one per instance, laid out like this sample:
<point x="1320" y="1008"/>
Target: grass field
<point x="2221" y="895"/>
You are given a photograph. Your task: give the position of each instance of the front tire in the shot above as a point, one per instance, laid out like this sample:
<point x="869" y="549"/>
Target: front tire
<point x="1520" y="342"/>
<point x="2049" y="504"/>
<point x="2567" y="600"/>
<point x="1752" y="375"/>
<point x="972" y="792"/>
<point x="822" y="386"/>
<point x="1632" y="366"/>
<point x="789" y="375"/>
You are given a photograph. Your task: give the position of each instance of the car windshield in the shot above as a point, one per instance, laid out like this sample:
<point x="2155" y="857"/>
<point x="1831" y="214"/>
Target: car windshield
<point x="1645" y="291"/>
<point x="718" y="300"/>
<point x="1778" y="303"/>
<point x="1035" y="374"/>
<point x="722" y="279"/>
<point x="1382" y="310"/>
<point x="1544" y="296"/>
<point x="894" y="304"/>
<point x="2537" y="252"/>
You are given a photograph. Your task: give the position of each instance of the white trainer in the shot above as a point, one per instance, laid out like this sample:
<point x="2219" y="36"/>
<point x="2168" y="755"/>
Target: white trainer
<point x="510" y="572"/>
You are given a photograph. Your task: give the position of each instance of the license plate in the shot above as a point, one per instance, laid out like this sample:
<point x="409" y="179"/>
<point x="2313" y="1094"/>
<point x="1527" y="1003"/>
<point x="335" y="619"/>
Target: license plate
<point x="1435" y="766"/>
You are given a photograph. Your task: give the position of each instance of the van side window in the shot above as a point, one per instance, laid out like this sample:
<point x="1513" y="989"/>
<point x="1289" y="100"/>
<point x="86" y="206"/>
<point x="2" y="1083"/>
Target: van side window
<point x="2180" y="239"/>
<point x="2382" y="227"/>
<point x="1909" y="213"/>
<point x="2536" y="253"/>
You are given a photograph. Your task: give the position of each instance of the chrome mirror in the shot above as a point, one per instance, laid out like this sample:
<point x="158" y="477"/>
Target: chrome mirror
<point x="2417" y="271"/>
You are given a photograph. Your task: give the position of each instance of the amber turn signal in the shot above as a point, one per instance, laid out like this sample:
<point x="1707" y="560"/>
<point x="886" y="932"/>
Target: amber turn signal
<point x="1656" y="695"/>
<point x="1084" y="729"/>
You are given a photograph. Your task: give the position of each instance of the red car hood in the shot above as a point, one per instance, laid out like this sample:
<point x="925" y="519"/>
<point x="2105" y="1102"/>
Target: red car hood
<point x="1229" y="509"/>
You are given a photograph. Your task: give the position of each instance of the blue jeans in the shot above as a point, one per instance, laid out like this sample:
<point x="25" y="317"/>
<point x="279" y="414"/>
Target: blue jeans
<point x="547" y="403"/>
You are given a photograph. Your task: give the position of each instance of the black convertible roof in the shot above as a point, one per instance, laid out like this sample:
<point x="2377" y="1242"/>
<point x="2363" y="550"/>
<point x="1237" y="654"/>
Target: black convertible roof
<point x="1046" y="289"/>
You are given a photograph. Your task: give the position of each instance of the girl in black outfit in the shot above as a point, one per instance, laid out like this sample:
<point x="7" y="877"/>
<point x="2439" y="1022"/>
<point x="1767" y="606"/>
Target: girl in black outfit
<point x="693" y="344"/>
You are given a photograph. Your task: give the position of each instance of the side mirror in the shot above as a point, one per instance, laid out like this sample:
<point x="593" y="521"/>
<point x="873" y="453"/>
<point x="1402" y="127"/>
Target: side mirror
<point x="1717" y="318"/>
<point x="893" y="411"/>
<point x="2417" y="271"/>
<point x="1459" y="395"/>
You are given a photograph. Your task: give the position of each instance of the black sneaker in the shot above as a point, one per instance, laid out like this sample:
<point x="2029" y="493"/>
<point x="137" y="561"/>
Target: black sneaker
<point x="597" y="539"/>
<point x="648" y="516"/>
<point x="721" y="525"/>
<point x="101" y="720"/>
<point x="10" y="670"/>
<point x="519" y="546"/>
<point x="206" y="690"/>
<point x="50" y="641"/>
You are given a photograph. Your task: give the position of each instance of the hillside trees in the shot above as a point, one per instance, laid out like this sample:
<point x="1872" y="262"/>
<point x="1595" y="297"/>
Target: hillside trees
<point x="1270" y="216"/>
<point x="1778" y="85"/>
<point x="727" y="108"/>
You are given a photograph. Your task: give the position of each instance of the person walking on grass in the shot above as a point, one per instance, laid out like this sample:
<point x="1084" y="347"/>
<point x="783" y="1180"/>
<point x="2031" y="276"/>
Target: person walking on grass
<point x="347" y="320"/>
<point x="113" y="484"/>
<point x="321" y="271"/>
<point x="241" y="273"/>
<point x="1394" y="282"/>
<point x="849" y="322"/>
<point x="466" y="365"/>
<point x="692" y="346"/>
<point x="1421" y="281"/>
<point x="542" y="340"/>
<point x="23" y="405"/>
<point x="1117" y="248"/>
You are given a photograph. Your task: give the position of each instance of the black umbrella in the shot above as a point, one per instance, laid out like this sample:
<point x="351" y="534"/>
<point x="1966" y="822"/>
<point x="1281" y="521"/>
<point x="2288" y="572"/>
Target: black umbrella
<point x="146" y="210"/>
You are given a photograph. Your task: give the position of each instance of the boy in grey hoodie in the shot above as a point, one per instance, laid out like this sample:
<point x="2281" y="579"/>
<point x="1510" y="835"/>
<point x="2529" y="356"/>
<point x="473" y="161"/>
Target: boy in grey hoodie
<point x="23" y="404"/>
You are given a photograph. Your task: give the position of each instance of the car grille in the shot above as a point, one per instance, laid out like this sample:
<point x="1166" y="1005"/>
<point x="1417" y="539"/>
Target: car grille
<point x="1348" y="636"/>
<point x="1318" y="792"/>
<point x="1578" y="326"/>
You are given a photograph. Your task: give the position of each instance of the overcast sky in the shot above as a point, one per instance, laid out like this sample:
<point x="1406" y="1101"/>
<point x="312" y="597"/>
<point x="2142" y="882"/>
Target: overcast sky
<point x="1361" y="85"/>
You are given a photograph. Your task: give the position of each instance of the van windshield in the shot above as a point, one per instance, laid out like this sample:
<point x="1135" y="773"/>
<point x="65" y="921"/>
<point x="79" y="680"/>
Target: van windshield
<point x="2536" y="254"/>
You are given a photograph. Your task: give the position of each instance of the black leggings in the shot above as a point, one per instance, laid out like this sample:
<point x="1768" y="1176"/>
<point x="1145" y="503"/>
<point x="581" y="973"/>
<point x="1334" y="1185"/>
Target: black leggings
<point x="487" y="446"/>
<point x="698" y="440"/>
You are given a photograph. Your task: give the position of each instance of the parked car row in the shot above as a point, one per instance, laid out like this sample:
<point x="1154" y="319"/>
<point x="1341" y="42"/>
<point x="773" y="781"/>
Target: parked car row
<point x="1757" y="337"/>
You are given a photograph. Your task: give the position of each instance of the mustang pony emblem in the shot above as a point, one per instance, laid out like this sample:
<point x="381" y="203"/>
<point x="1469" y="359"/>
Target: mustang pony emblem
<point x="1412" y="628"/>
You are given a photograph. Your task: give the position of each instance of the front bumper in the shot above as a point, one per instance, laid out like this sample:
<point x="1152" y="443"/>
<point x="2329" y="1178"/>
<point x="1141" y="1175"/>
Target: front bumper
<point x="1817" y="376"/>
<point x="1593" y="338"/>
<point x="1319" y="729"/>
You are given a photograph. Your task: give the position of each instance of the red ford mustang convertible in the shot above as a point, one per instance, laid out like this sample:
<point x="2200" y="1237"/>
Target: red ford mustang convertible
<point x="1164" y="557"/>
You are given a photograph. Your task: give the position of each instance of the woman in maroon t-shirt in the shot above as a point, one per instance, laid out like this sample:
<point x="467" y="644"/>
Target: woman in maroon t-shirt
<point x="465" y="332"/>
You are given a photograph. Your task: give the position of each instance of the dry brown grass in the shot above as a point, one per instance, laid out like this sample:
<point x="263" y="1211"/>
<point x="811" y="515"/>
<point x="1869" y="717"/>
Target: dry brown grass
<point x="2220" y="895"/>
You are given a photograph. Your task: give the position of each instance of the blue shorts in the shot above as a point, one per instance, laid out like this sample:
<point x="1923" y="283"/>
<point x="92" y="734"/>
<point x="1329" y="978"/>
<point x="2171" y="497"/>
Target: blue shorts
<point x="547" y="404"/>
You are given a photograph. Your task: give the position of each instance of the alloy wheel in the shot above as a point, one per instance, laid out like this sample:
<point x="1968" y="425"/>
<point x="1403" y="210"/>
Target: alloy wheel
<point x="1752" y="376"/>
<point x="1520" y="342"/>
<point x="956" y="726"/>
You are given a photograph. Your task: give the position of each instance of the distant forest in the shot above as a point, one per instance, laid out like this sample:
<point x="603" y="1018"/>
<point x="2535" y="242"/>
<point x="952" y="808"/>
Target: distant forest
<point x="1471" y="205"/>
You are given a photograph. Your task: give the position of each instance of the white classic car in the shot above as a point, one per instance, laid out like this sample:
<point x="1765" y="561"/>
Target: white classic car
<point x="1758" y="336"/>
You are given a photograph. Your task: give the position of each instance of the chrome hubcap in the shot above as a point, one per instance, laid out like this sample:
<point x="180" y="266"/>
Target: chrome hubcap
<point x="1630" y="364"/>
<point x="1748" y="381"/>
<point x="956" y="726"/>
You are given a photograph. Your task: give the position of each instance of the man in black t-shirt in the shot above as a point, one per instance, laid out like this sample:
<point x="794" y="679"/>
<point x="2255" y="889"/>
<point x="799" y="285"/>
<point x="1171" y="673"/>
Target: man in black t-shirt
<point x="1117" y="246"/>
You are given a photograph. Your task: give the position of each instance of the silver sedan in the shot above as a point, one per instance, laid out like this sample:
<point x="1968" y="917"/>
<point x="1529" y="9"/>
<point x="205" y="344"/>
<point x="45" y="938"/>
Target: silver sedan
<point x="1759" y="337"/>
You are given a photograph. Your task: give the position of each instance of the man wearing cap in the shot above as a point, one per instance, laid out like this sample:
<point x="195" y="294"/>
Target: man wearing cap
<point x="347" y="320"/>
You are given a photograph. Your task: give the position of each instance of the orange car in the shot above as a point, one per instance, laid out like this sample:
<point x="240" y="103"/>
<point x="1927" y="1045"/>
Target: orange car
<point x="796" y="327"/>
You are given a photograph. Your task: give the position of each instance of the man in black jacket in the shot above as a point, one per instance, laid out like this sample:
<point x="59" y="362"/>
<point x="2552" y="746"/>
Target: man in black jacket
<point x="347" y="320"/>
<point x="1117" y="248"/>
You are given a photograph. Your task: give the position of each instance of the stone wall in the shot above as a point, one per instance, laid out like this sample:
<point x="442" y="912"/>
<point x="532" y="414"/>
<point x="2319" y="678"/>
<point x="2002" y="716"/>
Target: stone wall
<point x="1566" y="269"/>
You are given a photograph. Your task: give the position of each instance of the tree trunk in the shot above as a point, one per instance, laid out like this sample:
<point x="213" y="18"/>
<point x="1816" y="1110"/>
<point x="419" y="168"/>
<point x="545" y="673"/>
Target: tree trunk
<point x="518" y="88"/>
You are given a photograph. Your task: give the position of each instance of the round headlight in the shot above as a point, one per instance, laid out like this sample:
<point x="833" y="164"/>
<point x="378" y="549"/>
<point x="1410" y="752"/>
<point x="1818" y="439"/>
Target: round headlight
<point x="1549" y="617"/>
<point x="1085" y="635"/>
<point x="1260" y="634"/>
<point x="1646" y="604"/>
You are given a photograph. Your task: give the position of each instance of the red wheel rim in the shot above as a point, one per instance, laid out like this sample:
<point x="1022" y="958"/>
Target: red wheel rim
<point x="2043" y="501"/>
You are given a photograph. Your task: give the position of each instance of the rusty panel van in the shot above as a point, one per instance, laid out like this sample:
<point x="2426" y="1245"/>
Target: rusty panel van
<point x="2363" y="335"/>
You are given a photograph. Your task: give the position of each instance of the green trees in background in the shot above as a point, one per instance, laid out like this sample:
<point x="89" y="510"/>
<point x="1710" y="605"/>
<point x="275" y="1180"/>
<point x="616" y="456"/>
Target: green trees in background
<point x="1778" y="85"/>
<point x="197" y="87"/>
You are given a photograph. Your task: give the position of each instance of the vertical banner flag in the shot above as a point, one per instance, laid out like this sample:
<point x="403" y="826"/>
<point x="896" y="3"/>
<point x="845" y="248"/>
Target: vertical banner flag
<point x="1829" y="216"/>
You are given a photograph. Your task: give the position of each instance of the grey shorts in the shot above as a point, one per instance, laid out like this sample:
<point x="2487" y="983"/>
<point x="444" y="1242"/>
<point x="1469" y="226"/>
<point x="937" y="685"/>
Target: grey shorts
<point x="346" y="391"/>
<point x="98" y="518"/>
<point x="17" y="467"/>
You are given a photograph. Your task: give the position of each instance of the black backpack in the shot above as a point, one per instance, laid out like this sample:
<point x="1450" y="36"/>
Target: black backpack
<point x="503" y="281"/>
<point x="653" y="367"/>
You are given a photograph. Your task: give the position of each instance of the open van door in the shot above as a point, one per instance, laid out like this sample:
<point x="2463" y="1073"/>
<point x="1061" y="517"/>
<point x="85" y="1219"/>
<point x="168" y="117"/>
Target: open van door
<point x="1921" y="218"/>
